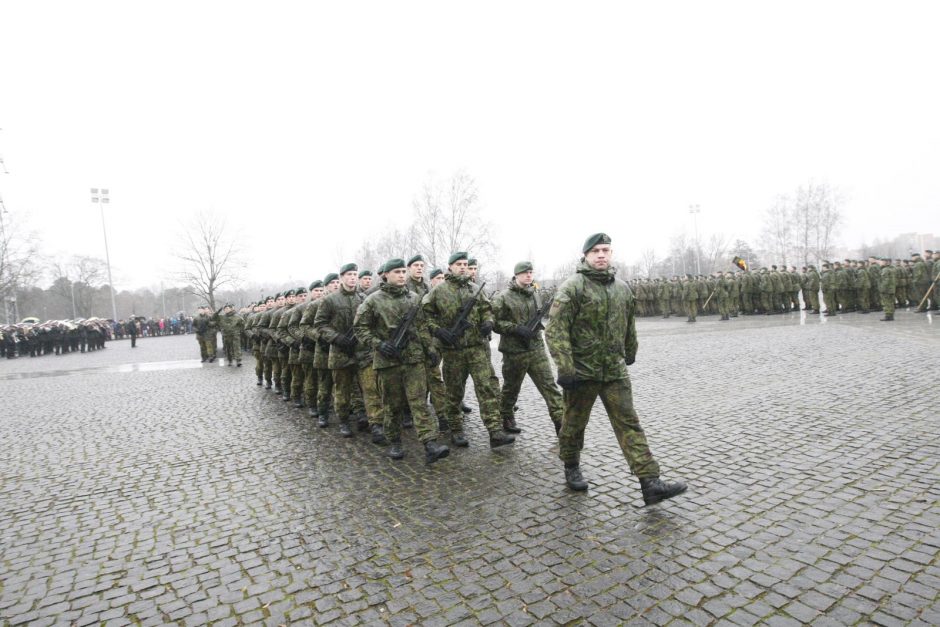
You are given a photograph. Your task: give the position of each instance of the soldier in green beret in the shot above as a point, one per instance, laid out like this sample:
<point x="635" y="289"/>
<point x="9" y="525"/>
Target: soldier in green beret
<point x="523" y="348"/>
<point x="400" y="369"/>
<point x="365" y="281"/>
<point x="592" y="338"/>
<point x="308" y="356"/>
<point x="334" y="322"/>
<point x="416" y="282"/>
<point x="463" y="350"/>
<point x="232" y="326"/>
<point x="289" y="328"/>
<point x="436" y="277"/>
<point x="888" y="286"/>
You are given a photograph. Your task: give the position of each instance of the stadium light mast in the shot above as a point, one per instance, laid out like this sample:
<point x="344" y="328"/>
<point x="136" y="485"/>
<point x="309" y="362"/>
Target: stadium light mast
<point x="100" y="196"/>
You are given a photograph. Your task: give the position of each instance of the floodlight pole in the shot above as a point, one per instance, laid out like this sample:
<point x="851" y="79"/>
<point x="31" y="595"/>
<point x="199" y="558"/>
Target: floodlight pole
<point x="102" y="200"/>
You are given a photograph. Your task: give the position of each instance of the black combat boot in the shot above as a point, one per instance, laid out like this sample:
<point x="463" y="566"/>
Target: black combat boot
<point x="395" y="451"/>
<point x="510" y="426"/>
<point x="212" y="359"/>
<point x="323" y="420"/>
<point x="888" y="318"/>
<point x="656" y="490"/>
<point x="260" y="382"/>
<point x="267" y="385"/>
<point x="500" y="438"/>
<point x="573" y="477"/>
<point x="407" y="421"/>
<point x="238" y="364"/>
<point x="434" y="451"/>
<point x="378" y="435"/>
<point x="344" y="429"/>
<point x="464" y="408"/>
<point x="459" y="439"/>
<point x="299" y="403"/>
<point x="312" y="412"/>
<point x="285" y="397"/>
<point x="362" y="423"/>
<point x="277" y="387"/>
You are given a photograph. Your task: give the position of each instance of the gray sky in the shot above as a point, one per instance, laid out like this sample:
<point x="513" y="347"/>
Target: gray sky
<point x="312" y="125"/>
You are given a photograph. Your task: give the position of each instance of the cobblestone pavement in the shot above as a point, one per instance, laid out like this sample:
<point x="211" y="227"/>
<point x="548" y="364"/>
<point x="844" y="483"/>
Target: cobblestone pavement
<point x="139" y="486"/>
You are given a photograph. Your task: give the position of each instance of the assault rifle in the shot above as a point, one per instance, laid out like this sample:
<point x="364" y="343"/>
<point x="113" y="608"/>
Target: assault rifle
<point x="402" y="337"/>
<point x="461" y="324"/>
<point x="533" y="323"/>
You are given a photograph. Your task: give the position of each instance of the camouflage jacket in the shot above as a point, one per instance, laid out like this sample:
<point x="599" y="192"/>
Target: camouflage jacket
<point x="418" y="288"/>
<point x="281" y="332"/>
<point x="591" y="333"/>
<point x="201" y="324"/>
<point x="231" y="323"/>
<point x="334" y="320"/>
<point x="442" y="306"/>
<point x="319" y="349"/>
<point x="888" y="282"/>
<point x="919" y="273"/>
<point x="378" y="318"/>
<point x="862" y="282"/>
<point x="273" y="348"/>
<point x="511" y="308"/>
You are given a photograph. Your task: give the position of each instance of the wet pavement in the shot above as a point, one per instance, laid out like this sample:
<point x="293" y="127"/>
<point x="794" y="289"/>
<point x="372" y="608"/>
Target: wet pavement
<point x="138" y="486"/>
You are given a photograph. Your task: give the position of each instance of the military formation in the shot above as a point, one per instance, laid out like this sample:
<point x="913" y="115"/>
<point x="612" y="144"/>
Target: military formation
<point x="54" y="337"/>
<point x="382" y="354"/>
<point x="852" y="285"/>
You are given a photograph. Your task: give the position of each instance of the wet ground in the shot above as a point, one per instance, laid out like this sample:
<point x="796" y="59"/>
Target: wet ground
<point x="140" y="486"/>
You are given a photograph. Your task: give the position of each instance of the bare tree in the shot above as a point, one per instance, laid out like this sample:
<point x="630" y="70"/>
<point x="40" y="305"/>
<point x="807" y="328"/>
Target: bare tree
<point x="19" y="249"/>
<point x="79" y="280"/>
<point x="716" y="253"/>
<point x="649" y="261"/>
<point x="777" y="232"/>
<point x="448" y="217"/>
<point x="210" y="257"/>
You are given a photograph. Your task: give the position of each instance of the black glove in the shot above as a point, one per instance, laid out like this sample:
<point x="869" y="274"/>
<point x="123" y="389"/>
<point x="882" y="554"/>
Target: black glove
<point x="568" y="382"/>
<point x="631" y="361"/>
<point x="434" y="360"/>
<point x="486" y="328"/>
<point x="446" y="336"/>
<point x="523" y="332"/>
<point x="388" y="350"/>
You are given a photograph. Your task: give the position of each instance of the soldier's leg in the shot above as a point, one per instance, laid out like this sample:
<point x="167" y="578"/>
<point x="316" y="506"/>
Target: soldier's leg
<point x="310" y="387"/>
<point x="287" y="375"/>
<point x="617" y="397"/>
<point x="368" y="383"/>
<point x="259" y="364"/>
<point x="414" y="387"/>
<point x="578" y="404"/>
<point x="540" y="371"/>
<point x="213" y="345"/>
<point x="357" y="402"/>
<point x="438" y="395"/>
<point x="455" y="370"/>
<point x="203" y="353"/>
<point x="268" y="371"/>
<point x="276" y="372"/>
<point x="297" y="384"/>
<point x="324" y="391"/>
<point x="481" y="371"/>
<point x="514" y="368"/>
<point x="389" y="384"/>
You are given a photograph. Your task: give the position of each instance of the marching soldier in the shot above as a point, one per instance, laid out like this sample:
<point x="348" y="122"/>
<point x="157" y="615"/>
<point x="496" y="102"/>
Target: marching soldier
<point x="888" y="285"/>
<point x="400" y="367"/>
<point x="289" y="334"/>
<point x="232" y="326"/>
<point x="523" y="348"/>
<point x="308" y="346"/>
<point x="592" y="338"/>
<point x="461" y="320"/>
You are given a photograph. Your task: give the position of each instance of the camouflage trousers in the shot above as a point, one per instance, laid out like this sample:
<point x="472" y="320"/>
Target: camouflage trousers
<point x="324" y="390"/>
<point x="724" y="306"/>
<point x="887" y="302"/>
<point x="861" y="296"/>
<point x="259" y="361"/>
<point x="285" y="371"/>
<point x="920" y="290"/>
<point x="310" y="384"/>
<point x="437" y="391"/>
<point x="470" y="362"/>
<point x="371" y="397"/>
<point x="406" y="386"/>
<point x="811" y="299"/>
<point x="829" y="299"/>
<point x="691" y="308"/>
<point x="207" y="345"/>
<point x="232" y="348"/>
<point x="296" y="381"/>
<point x="535" y="364"/>
<point x="617" y="397"/>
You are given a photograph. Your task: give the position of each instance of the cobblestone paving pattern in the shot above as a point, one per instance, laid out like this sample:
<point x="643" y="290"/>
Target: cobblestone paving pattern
<point x="140" y="487"/>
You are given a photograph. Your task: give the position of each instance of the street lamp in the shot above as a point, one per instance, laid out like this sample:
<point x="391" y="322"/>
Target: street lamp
<point x="695" y="210"/>
<point x="101" y="197"/>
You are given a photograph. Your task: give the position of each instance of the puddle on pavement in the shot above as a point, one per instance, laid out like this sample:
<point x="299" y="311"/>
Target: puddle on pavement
<point x="151" y="366"/>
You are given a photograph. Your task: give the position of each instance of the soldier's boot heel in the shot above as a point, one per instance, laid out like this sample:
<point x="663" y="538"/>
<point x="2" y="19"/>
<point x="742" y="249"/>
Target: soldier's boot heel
<point x="322" y="421"/>
<point x="459" y="439"/>
<point x="312" y="412"/>
<point x="434" y="451"/>
<point x="888" y="318"/>
<point x="378" y="435"/>
<point x="501" y="438"/>
<point x="465" y="409"/>
<point x="260" y="382"/>
<point x="344" y="429"/>
<point x="510" y="426"/>
<point x="395" y="451"/>
<point x="574" y="479"/>
<point x="655" y="489"/>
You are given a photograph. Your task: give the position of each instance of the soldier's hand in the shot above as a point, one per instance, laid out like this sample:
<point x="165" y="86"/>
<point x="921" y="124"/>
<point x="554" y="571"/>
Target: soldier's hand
<point x="434" y="360"/>
<point x="523" y="332"/>
<point x="446" y="337"/>
<point x="388" y="350"/>
<point x="568" y="382"/>
<point x="486" y="328"/>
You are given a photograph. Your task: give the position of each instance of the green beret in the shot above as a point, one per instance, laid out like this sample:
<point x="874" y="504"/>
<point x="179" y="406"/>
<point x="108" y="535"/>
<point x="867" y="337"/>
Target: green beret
<point x="414" y="259"/>
<point x="332" y="276"/>
<point x="456" y="257"/>
<point x="381" y="269"/>
<point x="278" y="295"/>
<point x="394" y="264"/>
<point x="349" y="267"/>
<point x="522" y="266"/>
<point x="594" y="240"/>
<point x="365" y="273"/>
<point x="300" y="290"/>
<point x="315" y="285"/>
<point x="471" y="261"/>
<point x="289" y="293"/>
<point x="435" y="272"/>
<point x="268" y="299"/>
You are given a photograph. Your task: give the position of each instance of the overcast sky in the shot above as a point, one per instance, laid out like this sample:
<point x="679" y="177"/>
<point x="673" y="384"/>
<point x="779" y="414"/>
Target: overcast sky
<point x="312" y="125"/>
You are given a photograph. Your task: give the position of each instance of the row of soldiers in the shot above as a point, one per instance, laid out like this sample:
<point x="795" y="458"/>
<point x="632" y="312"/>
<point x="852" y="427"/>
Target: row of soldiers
<point x="53" y="337"/>
<point x="376" y="350"/>
<point x="852" y="285"/>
